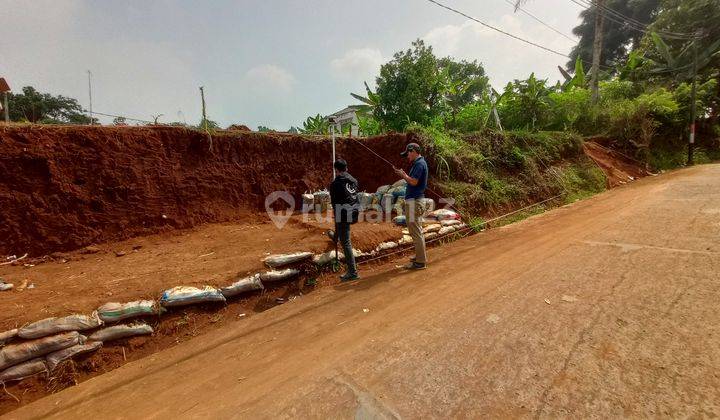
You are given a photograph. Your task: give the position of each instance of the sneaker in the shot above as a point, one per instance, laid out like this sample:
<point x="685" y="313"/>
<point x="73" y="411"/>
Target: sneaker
<point x="413" y="265"/>
<point x="349" y="277"/>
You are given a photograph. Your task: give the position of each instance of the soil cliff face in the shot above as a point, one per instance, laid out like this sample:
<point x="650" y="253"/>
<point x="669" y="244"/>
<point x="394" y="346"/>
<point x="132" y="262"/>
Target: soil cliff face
<point x="65" y="187"/>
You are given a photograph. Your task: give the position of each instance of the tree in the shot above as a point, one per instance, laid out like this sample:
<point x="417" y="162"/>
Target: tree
<point x="263" y="129"/>
<point x="465" y="82"/>
<point x="315" y="125"/>
<point x="36" y="107"/>
<point x="618" y="39"/>
<point x="119" y="121"/>
<point x="211" y="125"/>
<point x="410" y="88"/>
<point x="526" y="103"/>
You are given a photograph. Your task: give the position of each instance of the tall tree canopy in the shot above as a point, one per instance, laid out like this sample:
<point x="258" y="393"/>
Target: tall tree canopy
<point x="34" y="107"/>
<point x="618" y="39"/>
<point x="416" y="86"/>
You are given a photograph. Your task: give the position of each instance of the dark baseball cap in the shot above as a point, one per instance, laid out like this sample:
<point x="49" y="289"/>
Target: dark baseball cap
<point x="409" y="147"/>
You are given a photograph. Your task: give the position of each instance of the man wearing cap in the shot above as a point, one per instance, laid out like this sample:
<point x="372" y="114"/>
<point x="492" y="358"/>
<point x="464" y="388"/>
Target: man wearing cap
<point x="414" y="202"/>
<point x="346" y="209"/>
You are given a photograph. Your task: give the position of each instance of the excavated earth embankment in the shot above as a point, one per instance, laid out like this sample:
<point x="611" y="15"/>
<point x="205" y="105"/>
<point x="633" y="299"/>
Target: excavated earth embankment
<point x="65" y="187"/>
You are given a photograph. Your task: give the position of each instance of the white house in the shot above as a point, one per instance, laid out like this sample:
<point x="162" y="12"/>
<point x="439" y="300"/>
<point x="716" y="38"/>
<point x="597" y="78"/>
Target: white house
<point x="344" y="117"/>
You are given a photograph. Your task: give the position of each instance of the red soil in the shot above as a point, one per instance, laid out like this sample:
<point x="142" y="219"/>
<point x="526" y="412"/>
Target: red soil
<point x="618" y="169"/>
<point x="65" y="187"/>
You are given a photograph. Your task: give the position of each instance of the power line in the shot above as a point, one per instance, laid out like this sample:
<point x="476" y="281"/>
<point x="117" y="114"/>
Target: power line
<point x="499" y="30"/>
<point x="509" y="34"/>
<point x="121" y="116"/>
<point x="541" y="21"/>
<point x="620" y="19"/>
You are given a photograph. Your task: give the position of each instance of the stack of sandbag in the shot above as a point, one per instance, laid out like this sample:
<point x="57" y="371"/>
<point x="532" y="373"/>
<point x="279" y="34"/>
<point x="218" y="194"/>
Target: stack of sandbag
<point x="308" y="202"/>
<point x="321" y="201"/>
<point x="15" y="354"/>
<point x="245" y="284"/>
<point x="443" y="214"/>
<point x="187" y="295"/>
<point x="365" y="200"/>
<point x="55" y="358"/>
<point x="54" y="325"/>
<point x="114" y="311"/>
<point x="281" y="260"/>
<point x="117" y="332"/>
<point x="278" y="275"/>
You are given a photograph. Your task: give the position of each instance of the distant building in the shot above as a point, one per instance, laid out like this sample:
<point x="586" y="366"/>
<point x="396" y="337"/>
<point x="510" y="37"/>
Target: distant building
<point x="346" y="117"/>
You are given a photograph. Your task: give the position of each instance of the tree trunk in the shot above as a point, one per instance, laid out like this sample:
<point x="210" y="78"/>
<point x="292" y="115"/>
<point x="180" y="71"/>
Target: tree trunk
<point x="597" y="49"/>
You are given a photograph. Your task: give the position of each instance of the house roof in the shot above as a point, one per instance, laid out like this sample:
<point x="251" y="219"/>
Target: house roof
<point x="346" y="110"/>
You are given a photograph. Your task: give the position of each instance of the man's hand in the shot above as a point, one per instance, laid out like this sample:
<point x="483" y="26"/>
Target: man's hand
<point x="401" y="173"/>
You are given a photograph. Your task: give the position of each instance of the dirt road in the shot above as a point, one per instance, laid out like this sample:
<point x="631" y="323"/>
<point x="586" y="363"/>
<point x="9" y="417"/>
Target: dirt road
<point x="604" y="308"/>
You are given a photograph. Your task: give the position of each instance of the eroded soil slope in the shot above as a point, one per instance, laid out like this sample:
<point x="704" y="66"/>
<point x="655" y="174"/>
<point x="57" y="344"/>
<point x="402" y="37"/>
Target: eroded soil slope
<point x="62" y="188"/>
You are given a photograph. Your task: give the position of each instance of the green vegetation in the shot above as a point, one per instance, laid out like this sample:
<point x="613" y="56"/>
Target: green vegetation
<point x="44" y="108"/>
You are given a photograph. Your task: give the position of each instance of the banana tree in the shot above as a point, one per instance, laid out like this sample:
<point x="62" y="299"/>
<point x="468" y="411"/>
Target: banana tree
<point x="579" y="79"/>
<point x="370" y="106"/>
<point x="315" y="125"/>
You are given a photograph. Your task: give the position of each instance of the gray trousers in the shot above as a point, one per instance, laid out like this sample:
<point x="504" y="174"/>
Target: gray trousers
<point x="414" y="211"/>
<point x="342" y="232"/>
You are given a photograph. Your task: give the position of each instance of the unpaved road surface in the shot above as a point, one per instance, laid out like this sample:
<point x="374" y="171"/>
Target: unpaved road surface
<point x="607" y="308"/>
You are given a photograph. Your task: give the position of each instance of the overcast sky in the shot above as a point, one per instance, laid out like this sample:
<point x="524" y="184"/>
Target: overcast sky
<point x="270" y="62"/>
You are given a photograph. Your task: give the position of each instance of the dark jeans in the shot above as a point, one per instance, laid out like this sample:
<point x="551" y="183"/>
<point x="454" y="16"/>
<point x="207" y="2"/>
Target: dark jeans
<point x="342" y="230"/>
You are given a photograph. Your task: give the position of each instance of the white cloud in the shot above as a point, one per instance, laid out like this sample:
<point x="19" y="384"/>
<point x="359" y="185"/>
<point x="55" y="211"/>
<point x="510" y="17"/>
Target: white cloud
<point x="357" y="64"/>
<point x="504" y="58"/>
<point x="268" y="79"/>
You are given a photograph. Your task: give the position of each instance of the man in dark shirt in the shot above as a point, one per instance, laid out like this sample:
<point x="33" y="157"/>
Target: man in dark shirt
<point x="414" y="202"/>
<point x="346" y="209"/>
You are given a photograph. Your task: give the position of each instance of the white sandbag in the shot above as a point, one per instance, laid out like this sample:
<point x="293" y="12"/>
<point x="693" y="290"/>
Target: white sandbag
<point x="24" y="370"/>
<point x="307" y="203"/>
<point x="321" y="200"/>
<point x="54" y="325"/>
<point x="443" y="214"/>
<point x="386" y="245"/>
<point x="429" y="204"/>
<point x="399" y="220"/>
<point x="113" y="311"/>
<point x="280" y="260"/>
<point x="432" y="228"/>
<point x="365" y="200"/>
<point x="450" y="222"/>
<point x="399" y="183"/>
<point x="383" y="189"/>
<point x="328" y="257"/>
<point x="279" y="275"/>
<point x="7" y="336"/>
<point x="5" y="286"/>
<point x="243" y="285"/>
<point x="445" y="230"/>
<point x="399" y="206"/>
<point x="187" y="295"/>
<point x="16" y="353"/>
<point x="406" y="239"/>
<point x="55" y="358"/>
<point x="430" y="235"/>
<point x="386" y="203"/>
<point x="117" y="332"/>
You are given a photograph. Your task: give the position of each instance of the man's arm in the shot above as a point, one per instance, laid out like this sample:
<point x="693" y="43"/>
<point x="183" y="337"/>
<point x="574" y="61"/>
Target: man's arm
<point x="410" y="180"/>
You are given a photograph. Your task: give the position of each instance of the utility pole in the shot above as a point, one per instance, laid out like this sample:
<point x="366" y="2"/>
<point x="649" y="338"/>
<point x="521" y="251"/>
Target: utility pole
<point x="693" y="110"/>
<point x="331" y="121"/>
<point x="6" y="108"/>
<point x="202" y="97"/>
<point x="597" y="49"/>
<point x="90" y="95"/>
